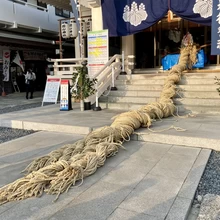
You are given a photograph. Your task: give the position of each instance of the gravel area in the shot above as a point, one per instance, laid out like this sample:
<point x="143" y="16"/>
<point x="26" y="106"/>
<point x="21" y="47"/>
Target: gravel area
<point x="7" y="134"/>
<point x="210" y="181"/>
<point x="206" y="203"/>
<point x="21" y="107"/>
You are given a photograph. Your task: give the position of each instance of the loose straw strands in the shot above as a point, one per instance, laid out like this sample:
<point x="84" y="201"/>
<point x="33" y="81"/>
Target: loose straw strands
<point x="56" y="172"/>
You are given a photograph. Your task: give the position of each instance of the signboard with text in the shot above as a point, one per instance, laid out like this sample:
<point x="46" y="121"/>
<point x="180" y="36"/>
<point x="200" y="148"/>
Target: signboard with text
<point x="65" y="104"/>
<point x="98" y="48"/>
<point x="215" y="47"/>
<point x="51" y="90"/>
<point x="6" y="65"/>
<point x="33" y="55"/>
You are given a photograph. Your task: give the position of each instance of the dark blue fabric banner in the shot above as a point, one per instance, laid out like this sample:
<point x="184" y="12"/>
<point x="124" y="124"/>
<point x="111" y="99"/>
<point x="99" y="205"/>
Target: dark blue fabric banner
<point x="215" y="47"/>
<point x="125" y="17"/>
<point x="198" y="11"/>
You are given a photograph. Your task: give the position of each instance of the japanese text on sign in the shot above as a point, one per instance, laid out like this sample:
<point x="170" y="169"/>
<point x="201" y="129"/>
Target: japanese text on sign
<point x="97" y="51"/>
<point x="6" y="65"/>
<point x="216" y="28"/>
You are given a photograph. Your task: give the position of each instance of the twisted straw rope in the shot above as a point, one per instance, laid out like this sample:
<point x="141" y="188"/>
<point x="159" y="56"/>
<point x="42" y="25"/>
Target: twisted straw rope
<point x="56" y="172"/>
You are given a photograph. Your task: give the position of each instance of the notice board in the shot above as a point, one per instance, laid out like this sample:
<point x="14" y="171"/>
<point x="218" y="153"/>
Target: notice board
<point x="51" y="90"/>
<point x="65" y="97"/>
<point x="98" y="48"/>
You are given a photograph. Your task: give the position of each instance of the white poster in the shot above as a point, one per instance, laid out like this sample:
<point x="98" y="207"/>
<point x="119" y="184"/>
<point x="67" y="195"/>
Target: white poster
<point x="98" y="48"/>
<point x="51" y="90"/>
<point x="6" y="65"/>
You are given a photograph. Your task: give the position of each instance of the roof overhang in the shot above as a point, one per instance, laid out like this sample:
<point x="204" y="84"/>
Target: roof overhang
<point x="63" y="4"/>
<point x="66" y="4"/>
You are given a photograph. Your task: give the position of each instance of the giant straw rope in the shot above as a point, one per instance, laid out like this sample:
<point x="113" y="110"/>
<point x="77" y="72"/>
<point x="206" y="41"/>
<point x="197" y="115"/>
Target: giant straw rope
<point x="56" y="172"/>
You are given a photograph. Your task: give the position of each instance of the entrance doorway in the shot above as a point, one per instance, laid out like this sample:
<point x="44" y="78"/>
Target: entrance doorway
<point x="144" y="50"/>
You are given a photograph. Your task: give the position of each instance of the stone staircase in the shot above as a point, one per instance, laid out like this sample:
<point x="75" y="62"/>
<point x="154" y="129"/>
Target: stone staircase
<point x="197" y="93"/>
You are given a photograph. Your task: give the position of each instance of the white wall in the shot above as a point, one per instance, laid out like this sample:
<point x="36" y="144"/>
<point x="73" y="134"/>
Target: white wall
<point x="29" y="17"/>
<point x="34" y="2"/>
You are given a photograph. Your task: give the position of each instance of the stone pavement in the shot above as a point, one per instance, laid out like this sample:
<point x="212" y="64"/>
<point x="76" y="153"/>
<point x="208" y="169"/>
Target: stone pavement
<point x="155" y="178"/>
<point x="15" y="99"/>
<point x="148" y="181"/>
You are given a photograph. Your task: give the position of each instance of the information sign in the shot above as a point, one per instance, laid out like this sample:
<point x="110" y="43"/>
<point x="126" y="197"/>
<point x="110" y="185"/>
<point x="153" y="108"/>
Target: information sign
<point x="65" y="99"/>
<point x="51" y="90"/>
<point x="98" y="54"/>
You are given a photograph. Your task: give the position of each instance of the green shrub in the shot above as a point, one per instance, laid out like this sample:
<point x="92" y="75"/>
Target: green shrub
<point x="83" y="86"/>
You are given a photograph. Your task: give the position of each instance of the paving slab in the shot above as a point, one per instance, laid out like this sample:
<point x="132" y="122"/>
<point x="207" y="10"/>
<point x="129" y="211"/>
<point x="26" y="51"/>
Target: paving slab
<point x="50" y="118"/>
<point x="124" y="214"/>
<point x="200" y="131"/>
<point x="179" y="209"/>
<point x="16" y="99"/>
<point x="127" y="183"/>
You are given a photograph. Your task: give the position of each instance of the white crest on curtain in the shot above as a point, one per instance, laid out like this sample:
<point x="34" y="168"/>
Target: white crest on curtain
<point x="203" y="7"/>
<point x="136" y="14"/>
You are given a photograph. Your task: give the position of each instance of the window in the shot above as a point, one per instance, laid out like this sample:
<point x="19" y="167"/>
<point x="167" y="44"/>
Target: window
<point x="41" y="4"/>
<point x="62" y="13"/>
<point x="20" y="2"/>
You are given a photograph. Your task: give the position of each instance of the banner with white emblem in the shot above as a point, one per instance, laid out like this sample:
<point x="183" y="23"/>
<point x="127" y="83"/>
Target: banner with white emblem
<point x="125" y="17"/>
<point x="6" y="65"/>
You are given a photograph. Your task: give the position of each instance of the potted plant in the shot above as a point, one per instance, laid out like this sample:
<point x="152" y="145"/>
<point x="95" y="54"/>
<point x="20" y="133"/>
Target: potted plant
<point x="83" y="86"/>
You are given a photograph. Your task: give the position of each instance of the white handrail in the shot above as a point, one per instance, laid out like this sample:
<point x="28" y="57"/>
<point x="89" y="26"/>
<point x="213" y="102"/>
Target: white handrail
<point x="107" y="64"/>
<point x="69" y="60"/>
<point x="106" y="76"/>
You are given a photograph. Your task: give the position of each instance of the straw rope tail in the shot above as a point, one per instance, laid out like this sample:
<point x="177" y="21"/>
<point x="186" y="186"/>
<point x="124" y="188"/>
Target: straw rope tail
<point x="56" y="172"/>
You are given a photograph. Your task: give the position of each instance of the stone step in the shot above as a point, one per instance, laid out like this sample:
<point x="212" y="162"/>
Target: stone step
<point x="153" y="87"/>
<point x="177" y="138"/>
<point x="195" y="102"/>
<point x="183" y="94"/>
<point x="144" y="100"/>
<point x="120" y="106"/>
<point x="129" y="99"/>
<point x="199" y="109"/>
<point x="183" y="81"/>
<point x="210" y="75"/>
<point x="180" y="108"/>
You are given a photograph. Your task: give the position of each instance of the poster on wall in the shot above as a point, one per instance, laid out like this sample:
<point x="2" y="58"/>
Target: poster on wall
<point x="98" y="48"/>
<point x="6" y="65"/>
<point x="215" y="47"/>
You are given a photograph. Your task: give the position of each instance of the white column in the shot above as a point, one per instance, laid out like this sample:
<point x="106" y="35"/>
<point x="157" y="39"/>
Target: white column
<point x="77" y="48"/>
<point x="128" y="45"/>
<point x="97" y="21"/>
